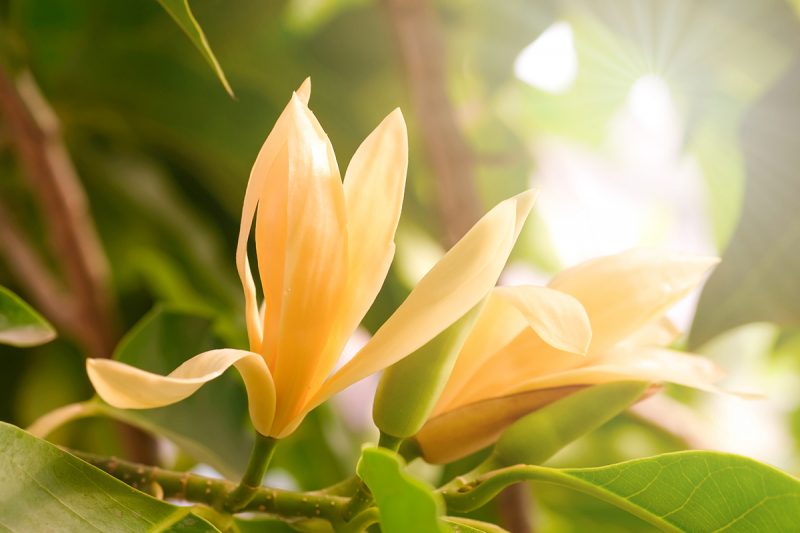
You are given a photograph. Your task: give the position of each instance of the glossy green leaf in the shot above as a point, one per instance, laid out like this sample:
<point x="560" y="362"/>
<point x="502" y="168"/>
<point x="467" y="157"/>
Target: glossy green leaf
<point x="160" y="342"/>
<point x="680" y="492"/>
<point x="180" y="11"/>
<point x="20" y="325"/>
<point x="538" y="436"/>
<point x="405" y="503"/>
<point x="43" y="488"/>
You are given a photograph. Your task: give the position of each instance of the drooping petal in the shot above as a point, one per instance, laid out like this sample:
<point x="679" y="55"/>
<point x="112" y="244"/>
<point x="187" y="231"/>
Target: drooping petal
<point x="623" y="292"/>
<point x="128" y="387"/>
<point x="275" y="142"/>
<point x="315" y="264"/>
<point x="373" y="190"/>
<point x="558" y="319"/>
<point x="463" y="277"/>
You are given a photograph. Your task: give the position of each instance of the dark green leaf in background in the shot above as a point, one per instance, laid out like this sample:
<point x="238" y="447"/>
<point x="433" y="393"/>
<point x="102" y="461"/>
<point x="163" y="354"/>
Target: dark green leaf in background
<point x="45" y="489"/>
<point x="759" y="277"/>
<point x="180" y="11"/>
<point x="20" y="325"/>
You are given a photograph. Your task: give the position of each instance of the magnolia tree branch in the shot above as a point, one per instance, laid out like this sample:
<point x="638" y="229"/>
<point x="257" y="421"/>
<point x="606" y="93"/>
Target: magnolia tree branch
<point x="215" y="492"/>
<point x="421" y="47"/>
<point x="33" y="128"/>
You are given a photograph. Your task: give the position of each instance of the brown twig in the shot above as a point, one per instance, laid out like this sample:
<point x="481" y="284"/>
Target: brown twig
<point x="421" y="47"/>
<point x="514" y="506"/>
<point x="82" y="307"/>
<point x="34" y="130"/>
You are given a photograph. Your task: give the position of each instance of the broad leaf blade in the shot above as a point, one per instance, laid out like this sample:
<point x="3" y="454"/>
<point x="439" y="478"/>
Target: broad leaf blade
<point x="405" y="503"/>
<point x="757" y="279"/>
<point x="180" y="11"/>
<point x="210" y="424"/>
<point x="684" y="491"/>
<point x="43" y="488"/>
<point x="20" y="325"/>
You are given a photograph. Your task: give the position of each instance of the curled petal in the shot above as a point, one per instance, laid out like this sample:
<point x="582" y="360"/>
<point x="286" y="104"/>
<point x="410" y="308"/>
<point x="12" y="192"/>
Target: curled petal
<point x="623" y="292"/>
<point x="558" y="320"/>
<point x="127" y="387"/>
<point x="456" y="284"/>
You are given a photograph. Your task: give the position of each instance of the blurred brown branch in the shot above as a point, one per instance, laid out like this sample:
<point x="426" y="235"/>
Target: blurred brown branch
<point x="83" y="307"/>
<point x="421" y="47"/>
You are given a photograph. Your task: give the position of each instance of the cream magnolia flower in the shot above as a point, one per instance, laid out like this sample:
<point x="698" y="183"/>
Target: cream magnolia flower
<point x="598" y="322"/>
<point x="324" y="248"/>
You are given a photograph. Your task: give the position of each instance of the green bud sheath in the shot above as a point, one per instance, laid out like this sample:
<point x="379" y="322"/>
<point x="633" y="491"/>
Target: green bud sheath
<point x="538" y="436"/>
<point x="409" y="389"/>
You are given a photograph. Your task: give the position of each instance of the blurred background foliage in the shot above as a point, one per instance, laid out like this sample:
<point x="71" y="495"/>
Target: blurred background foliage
<point x="672" y="124"/>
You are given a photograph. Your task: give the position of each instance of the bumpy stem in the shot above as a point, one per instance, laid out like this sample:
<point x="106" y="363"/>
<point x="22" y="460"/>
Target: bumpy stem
<point x="215" y="492"/>
<point x="363" y="497"/>
<point x="263" y="449"/>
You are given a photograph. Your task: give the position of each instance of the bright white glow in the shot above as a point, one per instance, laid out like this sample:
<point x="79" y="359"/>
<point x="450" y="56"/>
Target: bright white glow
<point x="642" y="189"/>
<point x="650" y="102"/>
<point x="549" y="63"/>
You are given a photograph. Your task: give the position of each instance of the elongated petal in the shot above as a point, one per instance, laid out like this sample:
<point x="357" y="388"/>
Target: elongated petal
<point x="315" y="264"/>
<point x="373" y="189"/>
<point x="454" y="285"/>
<point x="128" y="387"/>
<point x="657" y="365"/>
<point x="276" y="141"/>
<point x="558" y="319"/>
<point x="623" y="292"/>
<point x="467" y="429"/>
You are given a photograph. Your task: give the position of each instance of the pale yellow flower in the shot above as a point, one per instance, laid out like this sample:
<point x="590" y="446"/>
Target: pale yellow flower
<point x="324" y="248"/>
<point x="598" y="322"/>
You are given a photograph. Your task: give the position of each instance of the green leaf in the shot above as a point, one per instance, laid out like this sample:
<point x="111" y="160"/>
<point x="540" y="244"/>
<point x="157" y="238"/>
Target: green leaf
<point x="405" y="503"/>
<point x="684" y="491"/>
<point x="538" y="436"/>
<point x="20" y="325"/>
<point x="210" y="424"/>
<point x="180" y="11"/>
<point x="46" y="489"/>
<point x="756" y="280"/>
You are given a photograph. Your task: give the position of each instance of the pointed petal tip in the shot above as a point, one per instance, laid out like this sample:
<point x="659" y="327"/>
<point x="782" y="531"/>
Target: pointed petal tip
<point x="304" y="91"/>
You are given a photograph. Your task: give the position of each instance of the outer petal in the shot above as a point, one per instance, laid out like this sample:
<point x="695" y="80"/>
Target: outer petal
<point x="623" y="292"/>
<point x="128" y="387"/>
<point x="556" y="318"/>
<point x="275" y="142"/>
<point x="454" y="285"/>
<point x="373" y="189"/>
<point x="467" y="429"/>
<point x="315" y="265"/>
<point x="645" y="364"/>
